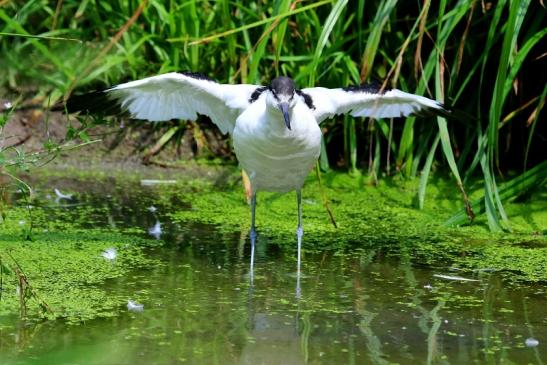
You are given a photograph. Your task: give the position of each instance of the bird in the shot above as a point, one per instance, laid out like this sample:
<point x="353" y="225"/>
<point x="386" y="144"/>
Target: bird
<point x="275" y="128"/>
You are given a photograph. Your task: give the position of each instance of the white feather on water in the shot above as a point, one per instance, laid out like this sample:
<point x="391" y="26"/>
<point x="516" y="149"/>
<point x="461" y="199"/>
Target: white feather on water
<point x="151" y="182"/>
<point x="531" y="342"/>
<point x="134" y="306"/>
<point x="60" y="195"/>
<point x="110" y="254"/>
<point x="451" y="277"/>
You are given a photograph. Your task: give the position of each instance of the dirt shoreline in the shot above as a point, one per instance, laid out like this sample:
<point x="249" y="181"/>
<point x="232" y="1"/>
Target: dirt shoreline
<point x="123" y="147"/>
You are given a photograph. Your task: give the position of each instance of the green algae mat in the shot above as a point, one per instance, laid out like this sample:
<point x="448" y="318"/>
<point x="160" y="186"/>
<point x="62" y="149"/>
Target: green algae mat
<point x="383" y="217"/>
<point x="147" y="272"/>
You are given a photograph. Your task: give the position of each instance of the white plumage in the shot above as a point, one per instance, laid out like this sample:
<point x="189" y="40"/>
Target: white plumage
<point x="275" y="129"/>
<point x="369" y="103"/>
<point x="276" y="158"/>
<point x="177" y="96"/>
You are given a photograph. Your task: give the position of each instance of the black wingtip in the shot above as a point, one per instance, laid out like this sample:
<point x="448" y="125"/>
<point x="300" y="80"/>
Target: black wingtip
<point x="443" y="111"/>
<point x="58" y="107"/>
<point x="455" y="114"/>
<point x="448" y="112"/>
<point x="196" y="75"/>
<point x="373" y="87"/>
<point x="96" y="102"/>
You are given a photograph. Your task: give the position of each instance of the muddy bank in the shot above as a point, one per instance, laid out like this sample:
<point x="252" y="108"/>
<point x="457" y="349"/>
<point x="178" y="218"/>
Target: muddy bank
<point x="119" y="145"/>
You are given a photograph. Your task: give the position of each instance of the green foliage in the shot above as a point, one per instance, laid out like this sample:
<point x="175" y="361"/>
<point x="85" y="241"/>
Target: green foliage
<point x="52" y="265"/>
<point x="482" y="58"/>
<point x="534" y="178"/>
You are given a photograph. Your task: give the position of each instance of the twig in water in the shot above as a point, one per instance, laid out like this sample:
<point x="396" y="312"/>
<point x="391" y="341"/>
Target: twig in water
<point x="24" y="284"/>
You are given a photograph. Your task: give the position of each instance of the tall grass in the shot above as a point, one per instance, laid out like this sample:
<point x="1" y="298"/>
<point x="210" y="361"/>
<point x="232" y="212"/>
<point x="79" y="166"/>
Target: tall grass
<point x="482" y="58"/>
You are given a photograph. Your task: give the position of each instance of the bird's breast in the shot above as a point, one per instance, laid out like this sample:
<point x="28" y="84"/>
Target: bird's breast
<point x="274" y="157"/>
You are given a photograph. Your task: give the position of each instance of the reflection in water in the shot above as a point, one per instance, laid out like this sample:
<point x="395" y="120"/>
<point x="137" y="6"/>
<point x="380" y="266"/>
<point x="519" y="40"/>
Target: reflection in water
<point x="205" y="304"/>
<point x="201" y="309"/>
<point x="272" y="340"/>
<point x="252" y="263"/>
<point x="298" y="289"/>
<point x="155" y="230"/>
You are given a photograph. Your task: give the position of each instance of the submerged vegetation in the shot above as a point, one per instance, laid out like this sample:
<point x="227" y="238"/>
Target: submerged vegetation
<point x="481" y="57"/>
<point x="381" y="218"/>
<point x="43" y="277"/>
<point x="382" y="296"/>
<point x="68" y="270"/>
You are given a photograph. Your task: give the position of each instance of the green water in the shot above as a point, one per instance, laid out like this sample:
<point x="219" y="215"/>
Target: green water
<point x="359" y="305"/>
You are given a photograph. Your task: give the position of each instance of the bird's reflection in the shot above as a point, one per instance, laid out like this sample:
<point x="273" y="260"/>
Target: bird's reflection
<point x="298" y="288"/>
<point x="156" y="230"/>
<point x="272" y="337"/>
<point x="273" y="340"/>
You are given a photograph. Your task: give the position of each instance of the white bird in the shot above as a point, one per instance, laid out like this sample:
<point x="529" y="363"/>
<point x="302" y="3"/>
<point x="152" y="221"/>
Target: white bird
<point x="275" y="128"/>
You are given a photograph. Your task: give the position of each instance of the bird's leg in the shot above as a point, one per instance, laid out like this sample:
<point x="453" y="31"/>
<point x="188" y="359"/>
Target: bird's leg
<point x="300" y="229"/>
<point x="253" y="233"/>
<point x="299" y="234"/>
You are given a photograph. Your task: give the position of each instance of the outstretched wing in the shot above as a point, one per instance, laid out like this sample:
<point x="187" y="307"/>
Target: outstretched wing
<point x="370" y="101"/>
<point x="168" y="96"/>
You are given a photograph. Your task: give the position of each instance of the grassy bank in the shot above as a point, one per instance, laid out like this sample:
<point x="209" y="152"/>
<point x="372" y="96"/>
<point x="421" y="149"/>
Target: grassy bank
<point x="482" y="58"/>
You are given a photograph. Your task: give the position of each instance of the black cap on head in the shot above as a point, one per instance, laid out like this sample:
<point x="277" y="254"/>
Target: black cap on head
<point x="283" y="85"/>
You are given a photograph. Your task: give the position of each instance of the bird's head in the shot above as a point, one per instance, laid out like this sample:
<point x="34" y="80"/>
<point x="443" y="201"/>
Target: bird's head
<point x="281" y="96"/>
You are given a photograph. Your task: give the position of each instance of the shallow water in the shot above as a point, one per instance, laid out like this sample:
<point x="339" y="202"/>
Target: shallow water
<point x="352" y="307"/>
